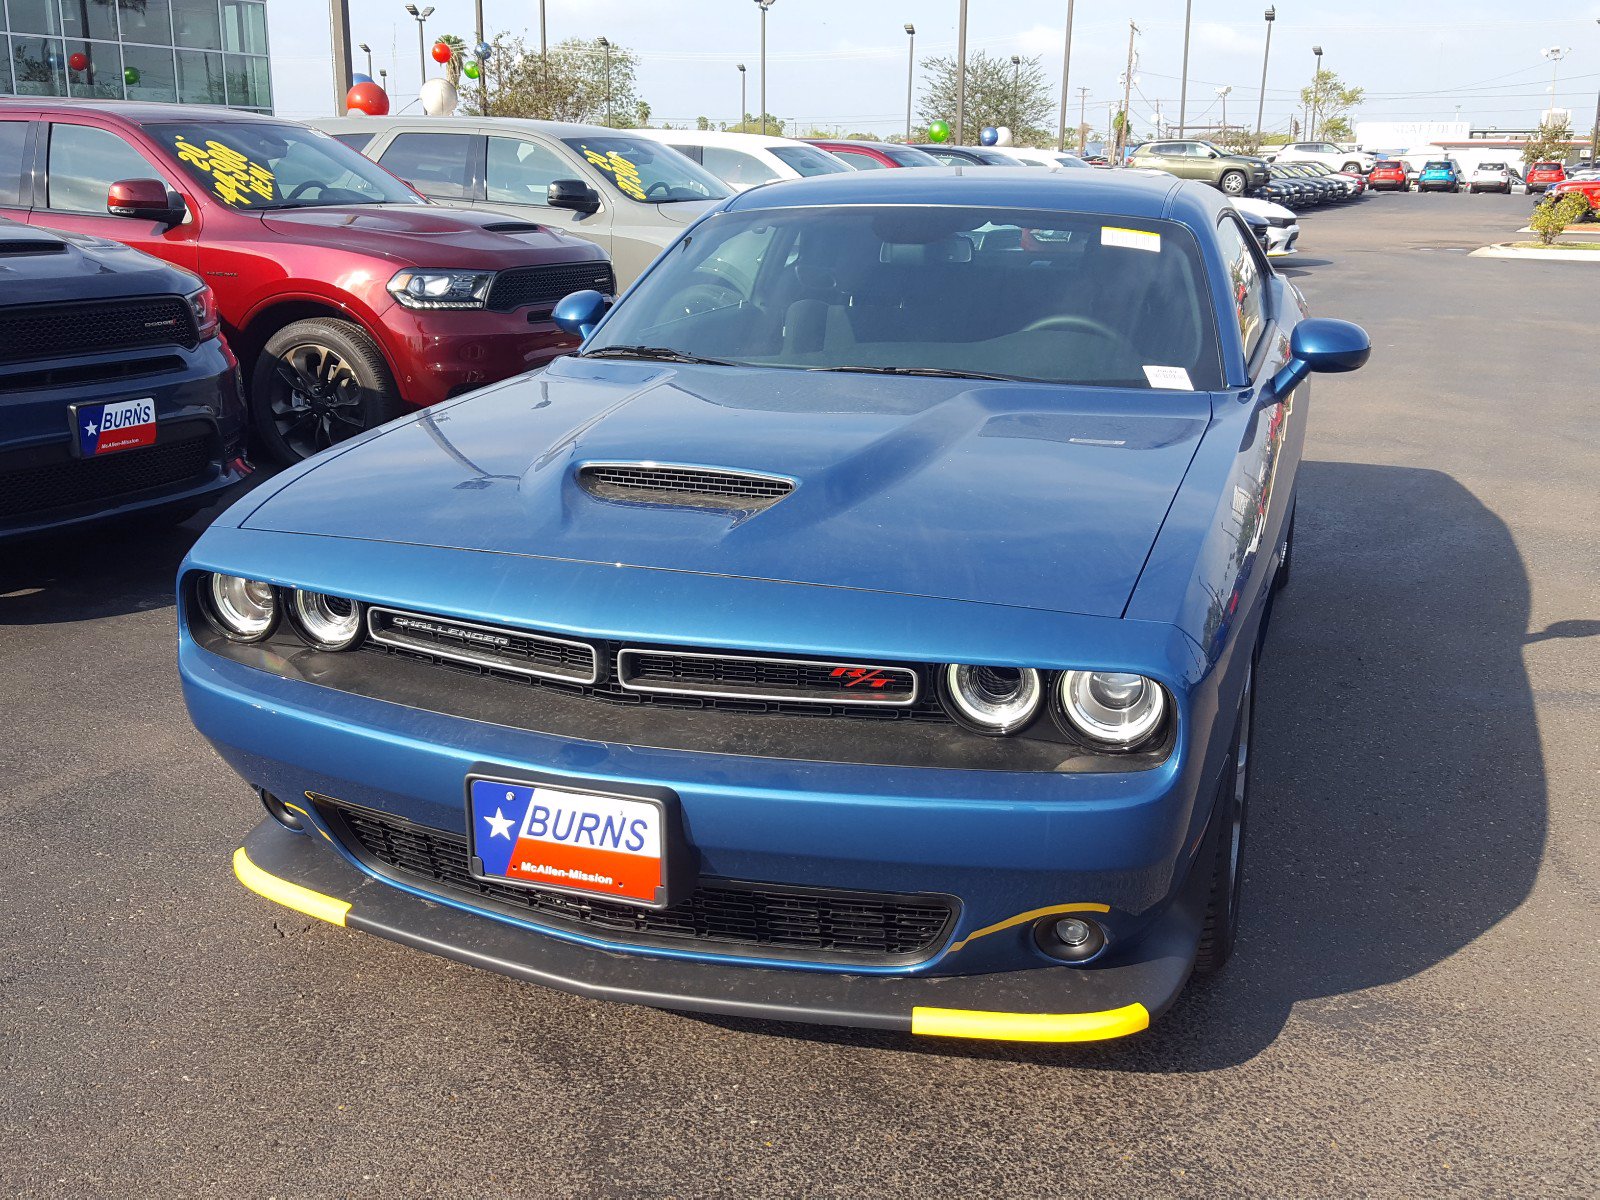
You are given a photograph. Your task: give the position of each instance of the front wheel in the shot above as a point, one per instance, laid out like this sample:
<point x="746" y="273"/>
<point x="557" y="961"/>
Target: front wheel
<point x="1232" y="183"/>
<point x="317" y="383"/>
<point x="1221" y="927"/>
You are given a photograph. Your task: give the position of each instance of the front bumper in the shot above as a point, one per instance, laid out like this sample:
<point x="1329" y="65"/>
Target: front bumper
<point x="437" y="354"/>
<point x="1041" y="1004"/>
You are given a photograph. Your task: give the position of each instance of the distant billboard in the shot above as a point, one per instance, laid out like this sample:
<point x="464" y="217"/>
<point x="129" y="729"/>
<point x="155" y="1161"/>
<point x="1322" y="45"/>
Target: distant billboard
<point x="1402" y="135"/>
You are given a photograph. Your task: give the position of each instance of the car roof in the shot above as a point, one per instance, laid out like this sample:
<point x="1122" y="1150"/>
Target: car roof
<point x="716" y="137"/>
<point x="862" y="142"/>
<point x="1152" y="195"/>
<point x="138" y="112"/>
<point x="558" y="129"/>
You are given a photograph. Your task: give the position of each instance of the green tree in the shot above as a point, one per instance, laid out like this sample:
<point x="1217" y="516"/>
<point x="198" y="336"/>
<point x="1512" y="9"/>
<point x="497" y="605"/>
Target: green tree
<point x="998" y="93"/>
<point x="452" y="69"/>
<point x="1328" y="103"/>
<point x="1554" y="214"/>
<point x="570" y="87"/>
<point x="1549" y="143"/>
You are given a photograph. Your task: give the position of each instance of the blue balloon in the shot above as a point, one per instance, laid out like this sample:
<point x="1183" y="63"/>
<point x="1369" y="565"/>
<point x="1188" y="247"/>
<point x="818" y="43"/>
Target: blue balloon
<point x="359" y="78"/>
<point x="988" y="135"/>
<point x="483" y="50"/>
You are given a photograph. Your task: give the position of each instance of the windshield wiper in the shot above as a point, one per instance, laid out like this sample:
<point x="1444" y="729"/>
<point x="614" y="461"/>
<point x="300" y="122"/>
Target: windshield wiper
<point x="935" y="372"/>
<point x="655" y="353"/>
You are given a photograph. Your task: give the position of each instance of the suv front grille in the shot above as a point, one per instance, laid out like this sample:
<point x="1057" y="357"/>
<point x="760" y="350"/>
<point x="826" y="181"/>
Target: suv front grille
<point x="36" y="332"/>
<point x="27" y="490"/>
<point x="867" y="928"/>
<point x="541" y="287"/>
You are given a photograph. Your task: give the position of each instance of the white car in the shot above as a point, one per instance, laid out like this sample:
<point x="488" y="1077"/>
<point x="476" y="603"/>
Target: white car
<point x="1283" y="228"/>
<point x="1044" y="158"/>
<point x="1356" y="162"/>
<point x="1489" y="177"/>
<point x="742" y="160"/>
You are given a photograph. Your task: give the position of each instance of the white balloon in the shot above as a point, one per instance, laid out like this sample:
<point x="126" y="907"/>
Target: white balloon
<point x="438" y="98"/>
<point x="1002" y="136"/>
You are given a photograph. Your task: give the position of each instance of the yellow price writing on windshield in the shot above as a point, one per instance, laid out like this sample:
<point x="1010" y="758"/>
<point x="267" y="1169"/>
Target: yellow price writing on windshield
<point x="620" y="169"/>
<point x="233" y="177"/>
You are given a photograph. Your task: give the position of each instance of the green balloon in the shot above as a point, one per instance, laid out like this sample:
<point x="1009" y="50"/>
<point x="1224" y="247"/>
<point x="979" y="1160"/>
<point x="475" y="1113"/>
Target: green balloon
<point x="939" y="131"/>
<point x="131" y="75"/>
<point x="470" y="69"/>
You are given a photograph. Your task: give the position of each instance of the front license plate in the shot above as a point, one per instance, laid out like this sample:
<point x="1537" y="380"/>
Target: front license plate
<point x="568" y="841"/>
<point x="113" y="425"/>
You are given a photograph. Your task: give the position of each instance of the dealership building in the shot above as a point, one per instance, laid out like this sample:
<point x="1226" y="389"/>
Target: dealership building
<point x="165" y="51"/>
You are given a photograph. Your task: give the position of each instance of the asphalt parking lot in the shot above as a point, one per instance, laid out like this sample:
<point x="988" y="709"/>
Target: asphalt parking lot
<point x="1411" y="1010"/>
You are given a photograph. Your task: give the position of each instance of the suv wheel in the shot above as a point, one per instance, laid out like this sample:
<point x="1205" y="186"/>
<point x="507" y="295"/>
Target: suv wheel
<point x="1232" y="183"/>
<point x="1353" y="168"/>
<point x="316" y="384"/>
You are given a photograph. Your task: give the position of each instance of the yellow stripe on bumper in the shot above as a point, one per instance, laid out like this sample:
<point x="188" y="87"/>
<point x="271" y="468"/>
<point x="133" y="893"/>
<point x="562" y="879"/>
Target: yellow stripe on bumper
<point x="1030" y="1027"/>
<point x="290" y="895"/>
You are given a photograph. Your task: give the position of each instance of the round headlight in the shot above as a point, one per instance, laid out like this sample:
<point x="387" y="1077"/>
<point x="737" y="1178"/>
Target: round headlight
<point x="243" y="609"/>
<point x="1112" y="708"/>
<point x="993" y="700"/>
<point x="329" y="622"/>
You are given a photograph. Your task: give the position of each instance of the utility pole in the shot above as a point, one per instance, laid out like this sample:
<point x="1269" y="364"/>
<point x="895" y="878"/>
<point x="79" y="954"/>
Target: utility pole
<point x="911" y="73"/>
<point x="339" y="12"/>
<point x="1066" y="74"/>
<point x="544" y="54"/>
<point x="1083" y="121"/>
<point x="1594" y="138"/>
<point x="1261" y="104"/>
<point x="764" y="4"/>
<point x="483" y="74"/>
<point x="1183" y="88"/>
<point x="1127" y="96"/>
<point x="961" y="77"/>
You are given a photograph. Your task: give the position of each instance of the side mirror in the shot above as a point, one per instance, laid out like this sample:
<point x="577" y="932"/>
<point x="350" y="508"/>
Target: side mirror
<point x="146" y="200"/>
<point x="574" y="194"/>
<point x="580" y="312"/>
<point x="1319" y="344"/>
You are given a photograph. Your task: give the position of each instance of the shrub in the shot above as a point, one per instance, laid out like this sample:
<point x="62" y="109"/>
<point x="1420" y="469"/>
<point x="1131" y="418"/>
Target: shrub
<point x="1553" y="216"/>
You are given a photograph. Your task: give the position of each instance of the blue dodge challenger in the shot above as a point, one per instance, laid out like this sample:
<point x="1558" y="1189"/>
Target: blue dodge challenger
<point x="859" y="629"/>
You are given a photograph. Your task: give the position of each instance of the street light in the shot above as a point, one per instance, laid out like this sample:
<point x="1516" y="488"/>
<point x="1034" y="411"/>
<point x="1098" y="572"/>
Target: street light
<point x="1261" y="104"/>
<point x="1594" y="138"/>
<point x="1222" y="94"/>
<point x="1316" y="96"/>
<point x="1183" y="88"/>
<point x="606" y="46"/>
<point x="744" y="111"/>
<point x="961" y="76"/>
<point x="764" y="5"/>
<point x="1555" y="54"/>
<point x="1066" y="72"/>
<point x="422" y="50"/>
<point x="367" y="50"/>
<point x="911" y="72"/>
<point x="1016" y="87"/>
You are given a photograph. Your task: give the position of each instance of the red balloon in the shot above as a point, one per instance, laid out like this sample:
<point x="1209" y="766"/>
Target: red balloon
<point x="442" y="52"/>
<point x="368" y="98"/>
<point x="78" y="61"/>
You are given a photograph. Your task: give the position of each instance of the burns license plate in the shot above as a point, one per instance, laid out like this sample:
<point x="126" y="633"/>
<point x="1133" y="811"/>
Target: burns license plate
<point x="568" y="840"/>
<point x="113" y="425"/>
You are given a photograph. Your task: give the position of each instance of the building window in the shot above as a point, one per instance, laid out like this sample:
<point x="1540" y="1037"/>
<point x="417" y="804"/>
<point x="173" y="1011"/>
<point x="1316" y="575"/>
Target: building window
<point x="149" y="22"/>
<point x="194" y="24"/>
<point x="248" y="86"/>
<point x="200" y="78"/>
<point x="34" y="16"/>
<point x="149" y="74"/>
<point x="89" y="19"/>
<point x="100" y="78"/>
<point x="244" y="27"/>
<point x="40" y="65"/>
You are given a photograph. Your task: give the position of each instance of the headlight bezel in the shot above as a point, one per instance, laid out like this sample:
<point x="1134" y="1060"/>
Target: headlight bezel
<point x="1086" y="719"/>
<point x="409" y="288"/>
<point x="216" y="608"/>
<point x="304" y="615"/>
<point x="952" y="686"/>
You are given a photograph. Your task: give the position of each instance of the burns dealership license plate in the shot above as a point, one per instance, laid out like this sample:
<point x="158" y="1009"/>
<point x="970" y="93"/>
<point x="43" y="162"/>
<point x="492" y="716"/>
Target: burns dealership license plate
<point x="567" y="840"/>
<point x="113" y="425"/>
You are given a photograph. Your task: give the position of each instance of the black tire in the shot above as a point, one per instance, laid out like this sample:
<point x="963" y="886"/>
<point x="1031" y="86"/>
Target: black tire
<point x="1353" y="168"/>
<point x="1232" y="183"/>
<point x="318" y="383"/>
<point x="1221" y="928"/>
<point x="1286" y="555"/>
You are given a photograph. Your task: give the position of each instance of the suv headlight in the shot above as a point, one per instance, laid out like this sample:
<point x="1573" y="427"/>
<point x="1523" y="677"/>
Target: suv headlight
<point x="203" y="304"/>
<point x="417" y="288"/>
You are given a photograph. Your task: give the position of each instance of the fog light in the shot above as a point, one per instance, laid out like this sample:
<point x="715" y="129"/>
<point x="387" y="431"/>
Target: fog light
<point x="1071" y="939"/>
<point x="1070" y="931"/>
<point x="281" y="812"/>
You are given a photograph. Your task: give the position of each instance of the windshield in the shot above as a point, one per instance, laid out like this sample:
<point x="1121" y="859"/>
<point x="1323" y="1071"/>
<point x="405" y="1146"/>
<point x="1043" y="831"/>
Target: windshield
<point x="909" y="156"/>
<point x="256" y="165"/>
<point x="808" y="161"/>
<point x="1437" y="166"/>
<point x="1491" y="166"/>
<point x="1040" y="296"/>
<point x="648" y="171"/>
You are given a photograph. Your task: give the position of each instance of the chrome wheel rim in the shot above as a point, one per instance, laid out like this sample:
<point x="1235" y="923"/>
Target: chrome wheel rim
<point x="1241" y="779"/>
<point x="1233" y="184"/>
<point x="317" y="401"/>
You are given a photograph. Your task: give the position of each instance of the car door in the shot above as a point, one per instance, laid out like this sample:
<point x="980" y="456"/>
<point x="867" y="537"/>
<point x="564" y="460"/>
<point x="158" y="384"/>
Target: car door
<point x="16" y="167"/>
<point x="518" y="171"/>
<point x="444" y="165"/>
<point x="81" y="162"/>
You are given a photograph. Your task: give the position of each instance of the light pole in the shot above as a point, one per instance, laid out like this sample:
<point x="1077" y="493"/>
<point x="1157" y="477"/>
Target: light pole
<point x="1183" y="87"/>
<point x="422" y="51"/>
<point x="1066" y="73"/>
<point x="1316" y="97"/>
<point x="911" y="73"/>
<point x="367" y="50"/>
<point x="1083" y="122"/>
<point x="1222" y="94"/>
<point x="1016" y="87"/>
<point x="744" y="111"/>
<point x="605" y="45"/>
<point x="1261" y="104"/>
<point x="483" y="69"/>
<point x="764" y="5"/>
<point x="1555" y="54"/>
<point x="961" y="76"/>
<point x="1594" y="138"/>
<point x="339" y="29"/>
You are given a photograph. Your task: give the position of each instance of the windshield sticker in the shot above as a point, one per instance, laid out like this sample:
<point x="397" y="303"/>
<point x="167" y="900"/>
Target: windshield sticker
<point x="232" y="176"/>
<point x="1173" y="378"/>
<point x="623" y="173"/>
<point x="1130" y="239"/>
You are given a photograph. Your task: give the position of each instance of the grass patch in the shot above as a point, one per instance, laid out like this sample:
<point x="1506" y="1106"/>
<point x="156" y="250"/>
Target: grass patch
<point x="1560" y="245"/>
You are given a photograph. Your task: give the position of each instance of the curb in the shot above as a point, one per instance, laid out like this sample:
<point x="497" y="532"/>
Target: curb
<point x="1505" y="250"/>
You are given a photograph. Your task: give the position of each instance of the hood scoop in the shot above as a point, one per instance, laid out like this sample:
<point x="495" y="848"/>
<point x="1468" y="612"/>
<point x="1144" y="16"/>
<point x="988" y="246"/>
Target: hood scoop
<point x="683" y="486"/>
<point x="9" y="247"/>
<point x="514" y="227"/>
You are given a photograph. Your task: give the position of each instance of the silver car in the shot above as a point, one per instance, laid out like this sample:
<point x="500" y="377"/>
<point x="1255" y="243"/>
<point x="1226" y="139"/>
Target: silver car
<point x="628" y="194"/>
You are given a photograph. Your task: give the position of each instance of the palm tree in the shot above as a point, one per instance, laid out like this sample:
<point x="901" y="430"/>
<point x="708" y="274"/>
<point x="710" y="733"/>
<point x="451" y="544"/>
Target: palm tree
<point x="458" y="50"/>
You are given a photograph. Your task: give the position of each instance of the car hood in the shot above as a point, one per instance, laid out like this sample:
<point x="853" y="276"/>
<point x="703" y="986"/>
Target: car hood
<point x="38" y="266"/>
<point x="1020" y="494"/>
<point x="427" y="234"/>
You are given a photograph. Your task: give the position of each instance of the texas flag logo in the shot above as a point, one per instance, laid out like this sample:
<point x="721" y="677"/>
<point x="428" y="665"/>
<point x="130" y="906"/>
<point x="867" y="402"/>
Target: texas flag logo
<point x="576" y="841"/>
<point x="117" y="425"/>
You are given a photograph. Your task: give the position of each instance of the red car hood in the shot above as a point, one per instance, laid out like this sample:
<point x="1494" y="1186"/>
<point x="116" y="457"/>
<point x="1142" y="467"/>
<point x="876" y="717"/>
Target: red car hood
<point x="428" y="235"/>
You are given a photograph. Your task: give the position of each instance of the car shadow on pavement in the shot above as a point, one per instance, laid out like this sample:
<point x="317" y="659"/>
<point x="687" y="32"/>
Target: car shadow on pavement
<point x="1398" y="798"/>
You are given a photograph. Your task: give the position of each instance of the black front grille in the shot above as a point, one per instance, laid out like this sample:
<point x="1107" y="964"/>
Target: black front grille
<point x="26" y="491"/>
<point x="698" y="487"/>
<point x="775" y="678"/>
<point x="487" y="646"/>
<point x="803" y="923"/>
<point x="43" y="331"/>
<point x="541" y="287"/>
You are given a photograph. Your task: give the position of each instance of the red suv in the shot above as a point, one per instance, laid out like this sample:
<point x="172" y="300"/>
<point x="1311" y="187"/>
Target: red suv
<point x="346" y="296"/>
<point x="1388" y="174"/>
<point x="1542" y="174"/>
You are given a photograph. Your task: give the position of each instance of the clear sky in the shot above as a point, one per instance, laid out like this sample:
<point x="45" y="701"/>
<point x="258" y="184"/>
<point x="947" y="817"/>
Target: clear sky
<point x="843" y="62"/>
